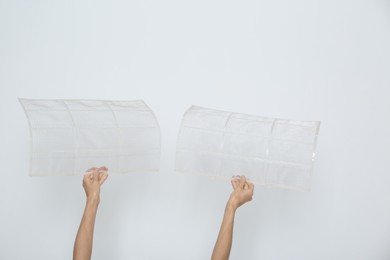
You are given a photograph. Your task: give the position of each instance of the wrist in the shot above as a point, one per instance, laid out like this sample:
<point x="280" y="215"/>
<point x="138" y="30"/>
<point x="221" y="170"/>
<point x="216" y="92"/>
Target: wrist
<point x="93" y="200"/>
<point x="231" y="206"/>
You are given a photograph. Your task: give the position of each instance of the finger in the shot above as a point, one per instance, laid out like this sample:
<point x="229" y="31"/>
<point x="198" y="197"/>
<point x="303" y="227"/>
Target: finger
<point x="103" y="169"/>
<point x="242" y="182"/>
<point x="234" y="183"/>
<point x="102" y="174"/>
<point x="88" y="177"/>
<point x="103" y="178"/>
<point x="251" y="187"/>
<point x="236" y="180"/>
<point x="95" y="176"/>
<point x="91" y="170"/>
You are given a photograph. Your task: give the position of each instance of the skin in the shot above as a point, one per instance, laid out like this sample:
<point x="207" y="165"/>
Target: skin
<point x="242" y="193"/>
<point x="92" y="182"/>
<point x="95" y="177"/>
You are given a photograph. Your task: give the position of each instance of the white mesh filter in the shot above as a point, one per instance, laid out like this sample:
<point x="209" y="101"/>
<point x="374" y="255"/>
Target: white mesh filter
<point x="70" y="136"/>
<point x="268" y="151"/>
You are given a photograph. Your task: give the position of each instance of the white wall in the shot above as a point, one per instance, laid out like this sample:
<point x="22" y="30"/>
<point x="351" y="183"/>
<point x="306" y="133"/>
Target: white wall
<point x="302" y="59"/>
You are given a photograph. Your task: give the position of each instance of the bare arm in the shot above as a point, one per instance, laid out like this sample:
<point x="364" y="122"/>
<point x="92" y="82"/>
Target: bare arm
<point x="242" y="193"/>
<point x="83" y="244"/>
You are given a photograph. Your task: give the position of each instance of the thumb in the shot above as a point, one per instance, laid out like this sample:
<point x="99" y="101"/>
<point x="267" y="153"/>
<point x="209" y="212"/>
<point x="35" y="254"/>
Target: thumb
<point x="103" y="178"/>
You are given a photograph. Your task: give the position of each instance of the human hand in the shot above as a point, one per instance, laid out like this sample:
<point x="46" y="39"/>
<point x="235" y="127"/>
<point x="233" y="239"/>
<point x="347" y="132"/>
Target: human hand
<point x="242" y="192"/>
<point x="92" y="181"/>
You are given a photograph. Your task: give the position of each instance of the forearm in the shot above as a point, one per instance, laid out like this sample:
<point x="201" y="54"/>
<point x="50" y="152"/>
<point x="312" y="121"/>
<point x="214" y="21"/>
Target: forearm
<point x="224" y="241"/>
<point x="84" y="239"/>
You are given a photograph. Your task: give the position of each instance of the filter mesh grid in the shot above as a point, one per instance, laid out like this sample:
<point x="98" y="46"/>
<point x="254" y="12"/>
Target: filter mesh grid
<point x="269" y="151"/>
<point x="70" y="136"/>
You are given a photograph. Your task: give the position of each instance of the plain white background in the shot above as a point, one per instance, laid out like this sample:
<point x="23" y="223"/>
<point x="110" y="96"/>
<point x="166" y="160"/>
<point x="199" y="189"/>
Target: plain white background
<point x="302" y="59"/>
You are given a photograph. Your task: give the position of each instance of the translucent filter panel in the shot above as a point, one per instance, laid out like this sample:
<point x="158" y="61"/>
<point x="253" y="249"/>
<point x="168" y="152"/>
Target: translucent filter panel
<point x="269" y="151"/>
<point x="70" y="136"/>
